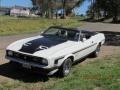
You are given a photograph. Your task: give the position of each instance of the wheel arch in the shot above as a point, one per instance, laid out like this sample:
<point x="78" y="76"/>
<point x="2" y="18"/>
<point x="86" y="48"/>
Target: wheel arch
<point x="100" y="44"/>
<point x="71" y="56"/>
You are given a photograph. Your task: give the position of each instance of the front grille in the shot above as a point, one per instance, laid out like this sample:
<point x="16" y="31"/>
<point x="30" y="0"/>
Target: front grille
<point x="27" y="58"/>
<point x="22" y="56"/>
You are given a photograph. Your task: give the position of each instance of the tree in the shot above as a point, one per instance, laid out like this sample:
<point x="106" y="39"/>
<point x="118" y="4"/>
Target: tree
<point x="48" y="7"/>
<point x="110" y="8"/>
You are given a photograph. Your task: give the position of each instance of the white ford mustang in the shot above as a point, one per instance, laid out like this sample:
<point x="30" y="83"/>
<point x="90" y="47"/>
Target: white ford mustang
<point x="56" y="49"/>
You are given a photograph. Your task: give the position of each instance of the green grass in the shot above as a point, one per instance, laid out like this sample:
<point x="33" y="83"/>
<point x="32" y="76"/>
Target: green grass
<point x="13" y="25"/>
<point x="98" y="74"/>
<point x="102" y="74"/>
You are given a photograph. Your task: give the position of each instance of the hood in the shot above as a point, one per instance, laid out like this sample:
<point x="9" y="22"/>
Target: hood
<point x="55" y="51"/>
<point x="40" y="44"/>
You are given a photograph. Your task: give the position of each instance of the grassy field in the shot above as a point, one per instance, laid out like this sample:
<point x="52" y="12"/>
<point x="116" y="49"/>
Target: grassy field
<point x="13" y="25"/>
<point x="103" y="74"/>
<point x="98" y="74"/>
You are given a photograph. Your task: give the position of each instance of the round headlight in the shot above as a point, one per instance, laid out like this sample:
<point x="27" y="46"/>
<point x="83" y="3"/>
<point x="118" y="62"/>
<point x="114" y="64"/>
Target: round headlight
<point x="44" y="61"/>
<point x="10" y="53"/>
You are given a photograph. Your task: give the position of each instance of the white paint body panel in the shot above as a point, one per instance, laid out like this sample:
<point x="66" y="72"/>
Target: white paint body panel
<point x="65" y="50"/>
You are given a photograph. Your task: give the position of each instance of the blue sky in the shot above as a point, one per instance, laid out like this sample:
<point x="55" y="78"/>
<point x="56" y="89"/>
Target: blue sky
<point x="83" y="8"/>
<point x="9" y="3"/>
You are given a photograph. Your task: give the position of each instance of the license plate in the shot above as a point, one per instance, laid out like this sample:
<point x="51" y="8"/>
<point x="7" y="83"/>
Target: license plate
<point x="26" y="66"/>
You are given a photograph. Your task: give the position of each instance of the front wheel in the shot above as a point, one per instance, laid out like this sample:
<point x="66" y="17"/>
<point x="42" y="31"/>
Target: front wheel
<point x="65" y="68"/>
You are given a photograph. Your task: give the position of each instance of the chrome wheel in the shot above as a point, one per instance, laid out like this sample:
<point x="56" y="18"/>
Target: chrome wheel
<point x="97" y="50"/>
<point x="65" y="68"/>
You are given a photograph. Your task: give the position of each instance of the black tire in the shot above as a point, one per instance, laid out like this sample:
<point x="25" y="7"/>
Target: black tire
<point x="65" y="68"/>
<point x="96" y="52"/>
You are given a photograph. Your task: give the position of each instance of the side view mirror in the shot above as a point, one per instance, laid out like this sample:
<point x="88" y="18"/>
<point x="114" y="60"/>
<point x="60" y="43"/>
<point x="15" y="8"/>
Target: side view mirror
<point x="41" y="32"/>
<point x="84" y="39"/>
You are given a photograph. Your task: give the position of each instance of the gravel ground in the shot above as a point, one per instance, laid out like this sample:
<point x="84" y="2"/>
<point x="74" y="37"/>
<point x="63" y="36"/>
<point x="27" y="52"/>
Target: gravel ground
<point x="101" y="27"/>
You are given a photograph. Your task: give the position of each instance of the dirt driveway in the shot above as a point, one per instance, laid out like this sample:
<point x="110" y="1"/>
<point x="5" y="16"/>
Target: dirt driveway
<point x="101" y="27"/>
<point x="106" y="50"/>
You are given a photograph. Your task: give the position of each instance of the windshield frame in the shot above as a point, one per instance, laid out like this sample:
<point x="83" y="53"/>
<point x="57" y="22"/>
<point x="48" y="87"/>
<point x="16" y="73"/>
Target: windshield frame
<point x="67" y="30"/>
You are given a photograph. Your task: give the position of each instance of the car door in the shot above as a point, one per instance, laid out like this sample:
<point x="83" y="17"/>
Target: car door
<point x="89" y="46"/>
<point x="84" y="47"/>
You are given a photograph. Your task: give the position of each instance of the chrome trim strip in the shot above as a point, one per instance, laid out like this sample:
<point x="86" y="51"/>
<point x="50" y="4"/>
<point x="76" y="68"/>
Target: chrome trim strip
<point x="84" y="48"/>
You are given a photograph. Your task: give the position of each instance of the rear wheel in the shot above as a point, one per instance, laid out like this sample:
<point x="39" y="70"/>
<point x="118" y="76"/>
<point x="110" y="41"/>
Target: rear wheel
<point x="96" y="52"/>
<point x="65" y="68"/>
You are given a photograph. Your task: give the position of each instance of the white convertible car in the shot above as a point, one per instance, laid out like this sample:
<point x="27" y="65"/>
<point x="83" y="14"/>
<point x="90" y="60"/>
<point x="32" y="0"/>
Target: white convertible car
<point x="56" y="49"/>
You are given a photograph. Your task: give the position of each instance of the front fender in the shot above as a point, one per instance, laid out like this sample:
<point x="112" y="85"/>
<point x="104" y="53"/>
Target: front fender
<point x="61" y="61"/>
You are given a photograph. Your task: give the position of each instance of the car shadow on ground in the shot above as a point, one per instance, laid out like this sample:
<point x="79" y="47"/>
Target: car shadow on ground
<point x="28" y="76"/>
<point x="21" y="74"/>
<point x="112" y="38"/>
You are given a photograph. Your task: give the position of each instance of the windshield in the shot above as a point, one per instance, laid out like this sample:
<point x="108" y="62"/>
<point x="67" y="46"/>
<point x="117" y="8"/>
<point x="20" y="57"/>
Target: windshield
<point x="62" y="33"/>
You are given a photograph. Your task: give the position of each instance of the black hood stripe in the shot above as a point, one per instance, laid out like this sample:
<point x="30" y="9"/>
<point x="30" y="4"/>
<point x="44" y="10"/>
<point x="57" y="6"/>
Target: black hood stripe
<point x="40" y="44"/>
